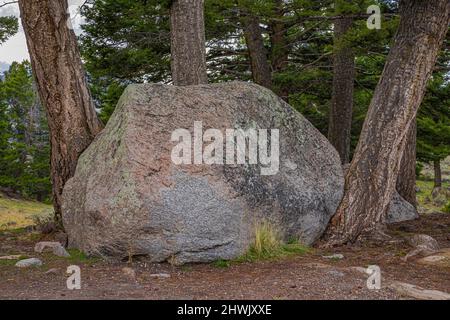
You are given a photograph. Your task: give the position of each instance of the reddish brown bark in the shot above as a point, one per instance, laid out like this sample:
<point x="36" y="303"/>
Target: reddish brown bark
<point x="260" y="66"/>
<point x="340" y="124"/>
<point x="406" y="181"/>
<point x="62" y="87"/>
<point x="371" y="179"/>
<point x="188" y="51"/>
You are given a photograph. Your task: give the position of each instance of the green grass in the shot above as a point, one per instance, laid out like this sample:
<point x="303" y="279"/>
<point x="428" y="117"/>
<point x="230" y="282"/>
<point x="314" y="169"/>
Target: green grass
<point x="222" y="264"/>
<point x="426" y="185"/>
<point x="424" y="196"/>
<point x="446" y="209"/>
<point x="5" y="263"/>
<point x="76" y="257"/>
<point x="16" y="214"/>
<point x="267" y="245"/>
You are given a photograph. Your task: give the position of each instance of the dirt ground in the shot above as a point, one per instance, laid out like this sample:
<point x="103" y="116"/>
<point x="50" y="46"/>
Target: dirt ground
<point x="309" y="276"/>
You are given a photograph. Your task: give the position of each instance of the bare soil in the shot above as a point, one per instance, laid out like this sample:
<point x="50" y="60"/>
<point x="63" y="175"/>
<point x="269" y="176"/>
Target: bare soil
<point x="308" y="276"/>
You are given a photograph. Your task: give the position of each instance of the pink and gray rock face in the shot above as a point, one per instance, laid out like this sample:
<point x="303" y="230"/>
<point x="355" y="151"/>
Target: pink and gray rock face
<point x="128" y="197"/>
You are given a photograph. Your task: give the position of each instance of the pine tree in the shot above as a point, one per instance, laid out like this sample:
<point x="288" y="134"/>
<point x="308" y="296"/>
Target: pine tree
<point x="434" y="125"/>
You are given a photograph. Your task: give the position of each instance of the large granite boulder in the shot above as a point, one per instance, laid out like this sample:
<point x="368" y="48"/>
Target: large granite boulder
<point x="128" y="197"/>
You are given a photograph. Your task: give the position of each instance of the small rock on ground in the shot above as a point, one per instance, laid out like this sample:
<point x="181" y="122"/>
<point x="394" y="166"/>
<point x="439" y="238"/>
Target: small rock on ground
<point x="15" y="257"/>
<point x="337" y="256"/>
<point x="29" y="263"/>
<point x="416" y="292"/>
<point x="440" y="259"/>
<point x="160" y="275"/>
<point x="53" y="271"/>
<point x="129" y="272"/>
<point x="56" y="248"/>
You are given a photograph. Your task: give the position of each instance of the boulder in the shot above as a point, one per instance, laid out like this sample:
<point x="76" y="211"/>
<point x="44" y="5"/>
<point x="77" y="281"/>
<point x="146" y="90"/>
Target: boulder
<point x="400" y="210"/>
<point x="413" y="291"/>
<point x="440" y="259"/>
<point x="424" y="241"/>
<point x="423" y="245"/>
<point x="128" y="197"/>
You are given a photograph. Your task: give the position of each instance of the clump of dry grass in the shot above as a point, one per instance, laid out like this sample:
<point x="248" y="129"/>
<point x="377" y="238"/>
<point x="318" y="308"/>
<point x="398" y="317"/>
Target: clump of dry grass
<point x="268" y="244"/>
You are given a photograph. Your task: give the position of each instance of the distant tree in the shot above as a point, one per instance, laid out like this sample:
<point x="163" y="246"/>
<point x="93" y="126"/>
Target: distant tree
<point x="434" y="126"/>
<point x="8" y="27"/>
<point x="24" y="139"/>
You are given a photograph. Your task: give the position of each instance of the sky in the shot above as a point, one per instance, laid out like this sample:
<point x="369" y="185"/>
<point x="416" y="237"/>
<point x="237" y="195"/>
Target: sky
<point x="15" y="49"/>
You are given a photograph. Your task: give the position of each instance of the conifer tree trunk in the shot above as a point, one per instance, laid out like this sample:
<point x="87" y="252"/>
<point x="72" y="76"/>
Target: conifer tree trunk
<point x="406" y="181"/>
<point x="62" y="87"/>
<point x="279" y="53"/>
<point x="260" y="66"/>
<point x="437" y="175"/>
<point x="188" y="50"/>
<point x="340" y="124"/>
<point x="371" y="179"/>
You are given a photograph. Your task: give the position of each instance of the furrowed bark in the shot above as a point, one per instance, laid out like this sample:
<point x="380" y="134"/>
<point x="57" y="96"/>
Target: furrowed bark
<point x="340" y="124"/>
<point x="437" y="175"/>
<point x="62" y="87"/>
<point x="260" y="66"/>
<point x="406" y="181"/>
<point x="371" y="179"/>
<point x="279" y="46"/>
<point x="188" y="50"/>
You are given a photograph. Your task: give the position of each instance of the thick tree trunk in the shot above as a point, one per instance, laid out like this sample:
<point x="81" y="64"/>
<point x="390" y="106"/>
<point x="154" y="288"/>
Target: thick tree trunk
<point x="260" y="66"/>
<point x="279" y="54"/>
<point x="62" y="87"/>
<point x="279" y="47"/>
<point x="188" y="48"/>
<point x="437" y="175"/>
<point x="371" y="179"/>
<point x="406" y="180"/>
<point x="340" y="124"/>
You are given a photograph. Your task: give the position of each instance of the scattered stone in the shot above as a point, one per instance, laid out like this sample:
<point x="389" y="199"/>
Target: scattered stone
<point x="160" y="275"/>
<point x="55" y="247"/>
<point x="32" y="262"/>
<point x="15" y="257"/>
<point x="53" y="271"/>
<point x="129" y="272"/>
<point x="359" y="269"/>
<point x="400" y="210"/>
<point x="440" y="259"/>
<point x="336" y="256"/>
<point x="317" y="265"/>
<point x="336" y="273"/>
<point x="417" y="292"/>
<point x="423" y="244"/>
<point x="424" y="240"/>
